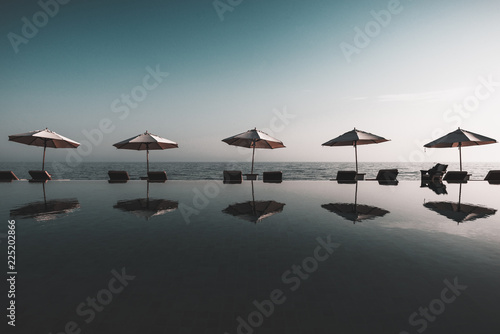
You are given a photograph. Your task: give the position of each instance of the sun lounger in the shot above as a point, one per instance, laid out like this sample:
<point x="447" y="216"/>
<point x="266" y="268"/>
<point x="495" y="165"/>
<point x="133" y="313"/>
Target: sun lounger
<point x="39" y="176"/>
<point x="251" y="177"/>
<point x="8" y="176"/>
<point x="272" y="177"/>
<point x="456" y="177"/>
<point x="118" y="176"/>
<point x="493" y="177"/>
<point x="347" y="176"/>
<point x="387" y="177"/>
<point x="435" y="173"/>
<point x="157" y="176"/>
<point x="232" y="176"/>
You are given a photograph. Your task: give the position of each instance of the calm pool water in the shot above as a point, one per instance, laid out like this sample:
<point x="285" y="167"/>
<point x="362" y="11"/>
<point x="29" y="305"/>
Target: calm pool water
<point x="296" y="257"/>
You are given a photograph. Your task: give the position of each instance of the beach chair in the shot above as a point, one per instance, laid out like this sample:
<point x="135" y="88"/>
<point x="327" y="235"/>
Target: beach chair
<point x="118" y="176"/>
<point x="8" y="176"/>
<point x="493" y="177"/>
<point x="272" y="177"/>
<point x="39" y="176"/>
<point x="387" y="177"/>
<point x="456" y="177"/>
<point x="159" y="177"/>
<point x="233" y="176"/>
<point x="435" y="173"/>
<point x="346" y="176"/>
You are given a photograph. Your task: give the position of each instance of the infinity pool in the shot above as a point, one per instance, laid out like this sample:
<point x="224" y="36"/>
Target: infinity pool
<point x="297" y="257"/>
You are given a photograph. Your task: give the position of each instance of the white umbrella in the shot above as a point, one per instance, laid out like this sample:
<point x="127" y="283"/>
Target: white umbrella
<point x="146" y="141"/>
<point x="355" y="138"/>
<point x="45" y="138"/>
<point x="459" y="138"/>
<point x="254" y="139"/>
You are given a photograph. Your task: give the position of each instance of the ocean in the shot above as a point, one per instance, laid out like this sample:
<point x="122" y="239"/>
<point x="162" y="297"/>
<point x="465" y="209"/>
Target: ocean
<point x="213" y="170"/>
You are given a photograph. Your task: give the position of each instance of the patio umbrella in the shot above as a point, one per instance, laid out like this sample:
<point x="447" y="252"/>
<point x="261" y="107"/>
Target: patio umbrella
<point x="459" y="138"/>
<point x="355" y="212"/>
<point x="254" y="211"/>
<point x="458" y="211"/>
<point x="146" y="141"/>
<point x="46" y="210"/>
<point x="45" y="138"/>
<point x="254" y="139"/>
<point x="355" y="138"/>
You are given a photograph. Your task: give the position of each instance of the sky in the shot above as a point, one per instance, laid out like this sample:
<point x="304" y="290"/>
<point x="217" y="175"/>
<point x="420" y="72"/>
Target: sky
<point x="196" y="72"/>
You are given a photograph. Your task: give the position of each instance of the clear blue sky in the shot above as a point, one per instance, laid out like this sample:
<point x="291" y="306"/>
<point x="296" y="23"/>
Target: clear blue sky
<point x="227" y="76"/>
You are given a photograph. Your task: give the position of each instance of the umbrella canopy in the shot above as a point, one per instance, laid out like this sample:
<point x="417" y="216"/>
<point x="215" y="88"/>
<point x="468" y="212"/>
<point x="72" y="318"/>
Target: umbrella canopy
<point x="254" y="211"/>
<point x="459" y="138"/>
<point x="355" y="212"/>
<point x="44" y="138"/>
<point x="147" y="208"/>
<point x="146" y="142"/>
<point x="355" y="138"/>
<point x="254" y="139"/>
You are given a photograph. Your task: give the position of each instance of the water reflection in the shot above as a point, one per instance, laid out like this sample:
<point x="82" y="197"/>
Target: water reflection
<point x="254" y="211"/>
<point x="146" y="207"/>
<point x="46" y="210"/>
<point x="458" y="211"/>
<point x="355" y="212"/>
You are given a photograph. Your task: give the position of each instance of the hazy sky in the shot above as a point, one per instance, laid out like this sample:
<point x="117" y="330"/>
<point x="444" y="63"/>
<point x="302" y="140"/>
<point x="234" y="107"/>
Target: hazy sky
<point x="307" y="71"/>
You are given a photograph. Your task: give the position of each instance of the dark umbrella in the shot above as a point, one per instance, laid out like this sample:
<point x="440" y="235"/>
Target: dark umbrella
<point x="355" y="212"/>
<point x="46" y="210"/>
<point x="459" y="138"/>
<point x="355" y="138"/>
<point x="254" y="211"/>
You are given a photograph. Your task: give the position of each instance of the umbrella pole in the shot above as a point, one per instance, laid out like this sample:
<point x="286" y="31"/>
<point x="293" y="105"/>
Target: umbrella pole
<point x="356" y="154"/>
<point x="44" y="149"/>
<point x="460" y="153"/>
<point x="147" y="156"/>
<point x="253" y="156"/>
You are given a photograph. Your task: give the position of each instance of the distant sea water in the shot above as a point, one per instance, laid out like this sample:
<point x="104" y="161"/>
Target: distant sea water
<point x="213" y="170"/>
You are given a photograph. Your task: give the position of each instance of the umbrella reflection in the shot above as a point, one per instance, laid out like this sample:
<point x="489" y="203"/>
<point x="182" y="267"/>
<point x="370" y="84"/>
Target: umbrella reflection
<point x="146" y="207"/>
<point x="46" y="210"/>
<point x="254" y="211"/>
<point x="458" y="211"/>
<point x="355" y="212"/>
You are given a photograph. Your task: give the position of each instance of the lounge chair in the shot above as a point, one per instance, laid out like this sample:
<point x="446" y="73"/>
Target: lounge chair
<point x="251" y="177"/>
<point x="456" y="177"/>
<point x="435" y="173"/>
<point x="118" y="176"/>
<point x="387" y="177"/>
<point x="157" y="176"/>
<point x="8" y="176"/>
<point x="347" y="176"/>
<point x="39" y="176"/>
<point x="493" y="177"/>
<point x="233" y="176"/>
<point x="272" y="177"/>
